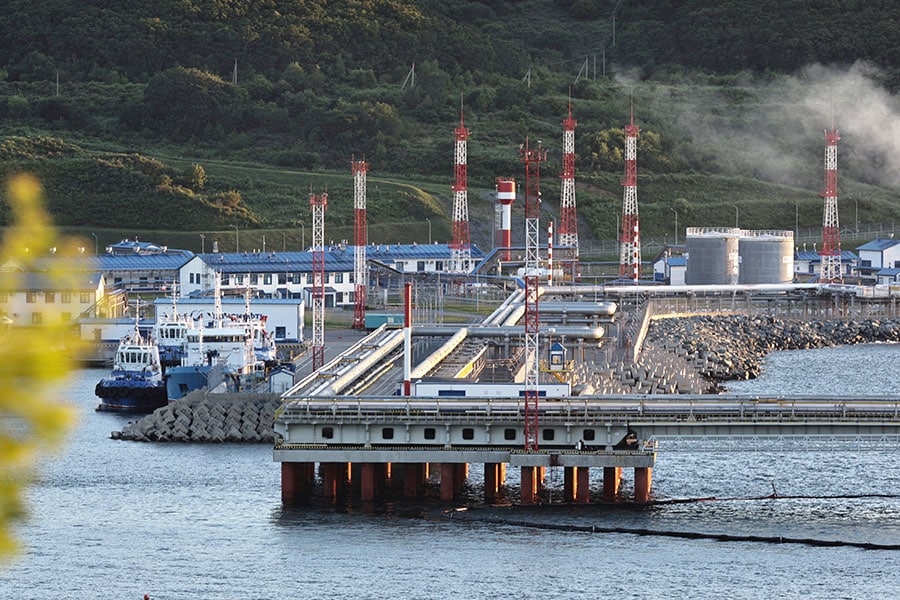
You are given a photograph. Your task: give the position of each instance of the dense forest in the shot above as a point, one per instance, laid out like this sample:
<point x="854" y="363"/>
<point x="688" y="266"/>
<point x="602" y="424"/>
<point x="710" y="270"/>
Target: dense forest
<point x="142" y="107"/>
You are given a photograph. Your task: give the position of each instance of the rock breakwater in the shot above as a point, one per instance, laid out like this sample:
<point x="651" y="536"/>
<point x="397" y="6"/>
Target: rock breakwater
<point x="208" y="418"/>
<point x="727" y="348"/>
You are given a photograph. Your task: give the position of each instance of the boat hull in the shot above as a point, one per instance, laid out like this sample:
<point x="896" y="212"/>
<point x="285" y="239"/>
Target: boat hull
<point x="182" y="380"/>
<point x="130" y="395"/>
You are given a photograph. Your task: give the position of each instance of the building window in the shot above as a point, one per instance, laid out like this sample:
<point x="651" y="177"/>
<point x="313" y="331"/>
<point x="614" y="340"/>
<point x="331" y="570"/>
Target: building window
<point x="267" y="279"/>
<point x="468" y="433"/>
<point x="282" y="278"/>
<point x="37" y="318"/>
<point x="548" y="435"/>
<point x="254" y="278"/>
<point x="430" y="433"/>
<point x="49" y="298"/>
<point x="30" y="297"/>
<point x="339" y="298"/>
<point x="387" y="433"/>
<point x="339" y="278"/>
<point x="84" y="298"/>
<point x="327" y="433"/>
<point x="509" y="434"/>
<point x="280" y="332"/>
<point x="439" y="265"/>
<point x="589" y="435"/>
<point x="298" y="278"/>
<point x="65" y="298"/>
<point x="420" y="266"/>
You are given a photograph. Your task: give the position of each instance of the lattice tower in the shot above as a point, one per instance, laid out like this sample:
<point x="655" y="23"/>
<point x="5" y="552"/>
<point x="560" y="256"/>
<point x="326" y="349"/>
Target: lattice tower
<point x="831" y="231"/>
<point x="460" y="246"/>
<point x="318" y="204"/>
<point x="532" y="157"/>
<point x="630" y="253"/>
<point x="568" y="225"/>
<point x="359" y="169"/>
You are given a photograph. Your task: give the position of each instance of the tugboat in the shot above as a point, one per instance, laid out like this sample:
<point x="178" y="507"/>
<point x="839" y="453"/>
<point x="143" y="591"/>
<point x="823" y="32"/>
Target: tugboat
<point x="217" y="352"/>
<point x="136" y="382"/>
<point x="171" y="334"/>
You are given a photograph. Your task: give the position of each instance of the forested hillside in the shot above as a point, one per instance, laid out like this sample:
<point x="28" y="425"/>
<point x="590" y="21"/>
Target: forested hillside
<point x="731" y="98"/>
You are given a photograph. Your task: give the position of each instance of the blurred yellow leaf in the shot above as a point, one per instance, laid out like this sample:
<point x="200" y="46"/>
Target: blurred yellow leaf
<point x="32" y="359"/>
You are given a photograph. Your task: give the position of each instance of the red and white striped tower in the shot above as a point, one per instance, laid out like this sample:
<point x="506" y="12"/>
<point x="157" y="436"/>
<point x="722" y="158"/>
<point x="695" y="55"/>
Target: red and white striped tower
<point x="318" y="205"/>
<point x="630" y="249"/>
<point x="550" y="253"/>
<point x="506" y="195"/>
<point x="831" y="232"/>
<point x="407" y="339"/>
<point x="360" y="239"/>
<point x="532" y="157"/>
<point x="460" y="247"/>
<point x="568" y="224"/>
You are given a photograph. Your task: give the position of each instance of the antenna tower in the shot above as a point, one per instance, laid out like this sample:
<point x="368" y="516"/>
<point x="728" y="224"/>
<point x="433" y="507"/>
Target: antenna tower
<point x="360" y="239"/>
<point x="568" y="226"/>
<point x="460" y="247"/>
<point x="532" y="157"/>
<point x="318" y="205"/>
<point x="831" y="232"/>
<point x="630" y="248"/>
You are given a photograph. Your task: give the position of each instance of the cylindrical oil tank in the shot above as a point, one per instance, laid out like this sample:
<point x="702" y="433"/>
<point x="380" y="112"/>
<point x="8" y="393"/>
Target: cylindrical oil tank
<point x="712" y="256"/>
<point x="766" y="256"/>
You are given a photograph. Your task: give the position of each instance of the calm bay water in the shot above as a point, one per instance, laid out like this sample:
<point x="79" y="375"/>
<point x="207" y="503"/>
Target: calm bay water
<point x="119" y="520"/>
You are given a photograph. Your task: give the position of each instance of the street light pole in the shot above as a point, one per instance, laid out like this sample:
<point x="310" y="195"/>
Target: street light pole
<point x="96" y="244"/>
<point x="303" y="236"/>
<point x="429" y="230"/>
<point x="676" y="224"/>
<point x="737" y="216"/>
<point x="796" y="221"/>
<point x="202" y="244"/>
<point x="856" y="201"/>
<point x="237" y="239"/>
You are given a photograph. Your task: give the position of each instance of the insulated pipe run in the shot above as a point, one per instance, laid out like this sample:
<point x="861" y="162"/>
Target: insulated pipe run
<point x="407" y="338"/>
<point x="434" y="359"/>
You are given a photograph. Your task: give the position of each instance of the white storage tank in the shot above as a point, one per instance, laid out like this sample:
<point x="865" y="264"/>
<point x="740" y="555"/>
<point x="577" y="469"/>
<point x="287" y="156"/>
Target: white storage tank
<point x="712" y="256"/>
<point x="766" y="256"/>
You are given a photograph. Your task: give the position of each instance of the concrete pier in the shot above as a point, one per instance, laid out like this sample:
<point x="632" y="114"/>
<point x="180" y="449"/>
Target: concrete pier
<point x="612" y="478"/>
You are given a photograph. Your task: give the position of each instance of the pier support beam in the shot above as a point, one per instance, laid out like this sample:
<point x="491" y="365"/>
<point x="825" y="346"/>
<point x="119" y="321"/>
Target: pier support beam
<point x="367" y="482"/>
<point x="643" y="478"/>
<point x="413" y="478"/>
<point x="612" y="477"/>
<point x="295" y="478"/>
<point x="491" y="481"/>
<point x="448" y="481"/>
<point x="569" y="484"/>
<point x="529" y="487"/>
<point x="582" y="485"/>
<point x="334" y="476"/>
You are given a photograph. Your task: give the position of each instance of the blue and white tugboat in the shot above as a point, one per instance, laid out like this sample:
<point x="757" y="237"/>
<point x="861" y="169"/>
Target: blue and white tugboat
<point x="136" y="382"/>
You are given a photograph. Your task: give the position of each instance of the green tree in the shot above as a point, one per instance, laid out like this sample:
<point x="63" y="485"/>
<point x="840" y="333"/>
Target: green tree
<point x="195" y="177"/>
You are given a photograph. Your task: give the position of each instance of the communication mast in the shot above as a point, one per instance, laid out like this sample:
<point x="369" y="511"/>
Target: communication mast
<point x="630" y="248"/>
<point x="568" y="226"/>
<point x="360" y="239"/>
<point x="532" y="157"/>
<point x="318" y="205"/>
<point x="460" y="246"/>
<point x="831" y="232"/>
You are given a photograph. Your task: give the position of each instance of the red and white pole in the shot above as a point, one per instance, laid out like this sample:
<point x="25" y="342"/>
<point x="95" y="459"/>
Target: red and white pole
<point x="550" y="253"/>
<point x="506" y="195"/>
<point x="407" y="339"/>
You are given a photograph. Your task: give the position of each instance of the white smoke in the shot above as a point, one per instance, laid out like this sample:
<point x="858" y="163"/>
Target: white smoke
<point x="774" y="130"/>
